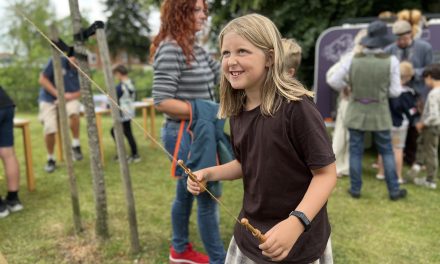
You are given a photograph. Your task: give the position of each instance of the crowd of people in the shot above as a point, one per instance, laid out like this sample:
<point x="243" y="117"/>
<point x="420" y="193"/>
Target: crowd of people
<point x="395" y="105"/>
<point x="388" y="87"/>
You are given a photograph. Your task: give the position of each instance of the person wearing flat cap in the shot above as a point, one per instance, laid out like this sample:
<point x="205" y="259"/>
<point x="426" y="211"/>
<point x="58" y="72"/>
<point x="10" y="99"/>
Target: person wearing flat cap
<point x="373" y="77"/>
<point x="416" y="51"/>
<point x="419" y="53"/>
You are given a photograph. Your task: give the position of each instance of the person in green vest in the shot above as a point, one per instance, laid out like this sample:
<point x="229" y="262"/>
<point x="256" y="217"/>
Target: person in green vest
<point x="373" y="77"/>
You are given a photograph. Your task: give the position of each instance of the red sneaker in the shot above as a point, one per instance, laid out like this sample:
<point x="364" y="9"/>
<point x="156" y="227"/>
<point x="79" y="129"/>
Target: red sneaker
<point x="189" y="256"/>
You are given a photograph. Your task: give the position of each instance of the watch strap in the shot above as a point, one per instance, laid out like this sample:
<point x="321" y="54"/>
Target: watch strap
<point x="302" y="218"/>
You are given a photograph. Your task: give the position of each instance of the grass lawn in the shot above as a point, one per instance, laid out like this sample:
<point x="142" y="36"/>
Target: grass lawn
<point x="370" y="230"/>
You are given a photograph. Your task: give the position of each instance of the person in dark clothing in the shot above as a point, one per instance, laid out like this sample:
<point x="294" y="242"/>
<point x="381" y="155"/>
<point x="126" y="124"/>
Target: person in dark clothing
<point x="403" y="112"/>
<point x="7" y="154"/>
<point x="282" y="150"/>
<point x="419" y="53"/>
<point x="125" y="92"/>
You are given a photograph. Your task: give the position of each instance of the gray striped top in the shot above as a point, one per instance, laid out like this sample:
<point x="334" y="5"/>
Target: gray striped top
<point x="174" y="78"/>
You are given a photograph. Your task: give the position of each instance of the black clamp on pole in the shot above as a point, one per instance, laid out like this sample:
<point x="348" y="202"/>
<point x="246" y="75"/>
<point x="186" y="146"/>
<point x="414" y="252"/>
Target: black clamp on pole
<point x="68" y="50"/>
<point x="84" y="34"/>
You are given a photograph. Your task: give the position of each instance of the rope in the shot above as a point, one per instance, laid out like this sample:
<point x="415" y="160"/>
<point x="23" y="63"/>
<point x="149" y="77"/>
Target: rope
<point x="245" y="223"/>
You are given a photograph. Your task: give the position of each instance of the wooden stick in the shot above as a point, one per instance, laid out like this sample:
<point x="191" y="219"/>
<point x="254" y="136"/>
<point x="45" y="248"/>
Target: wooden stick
<point x="255" y="232"/>
<point x="191" y="175"/>
<point x="245" y="222"/>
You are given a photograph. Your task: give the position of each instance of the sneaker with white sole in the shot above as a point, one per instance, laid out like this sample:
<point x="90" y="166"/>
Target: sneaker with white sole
<point x="425" y="183"/>
<point x="380" y="177"/>
<point x="50" y="166"/>
<point x="77" y="154"/>
<point x="14" y="205"/>
<point x="401" y="181"/>
<point x="134" y="158"/>
<point x="3" y="209"/>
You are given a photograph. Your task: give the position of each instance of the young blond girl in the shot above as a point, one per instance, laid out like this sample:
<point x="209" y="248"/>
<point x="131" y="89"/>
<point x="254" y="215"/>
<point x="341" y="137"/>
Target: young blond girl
<point x="283" y="153"/>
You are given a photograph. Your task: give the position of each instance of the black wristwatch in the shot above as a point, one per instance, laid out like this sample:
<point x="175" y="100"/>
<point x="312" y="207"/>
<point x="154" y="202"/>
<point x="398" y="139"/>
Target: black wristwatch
<point x="303" y="219"/>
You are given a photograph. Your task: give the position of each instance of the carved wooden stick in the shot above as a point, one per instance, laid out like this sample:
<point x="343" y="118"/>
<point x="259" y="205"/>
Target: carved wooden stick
<point x="191" y="175"/>
<point x="255" y="232"/>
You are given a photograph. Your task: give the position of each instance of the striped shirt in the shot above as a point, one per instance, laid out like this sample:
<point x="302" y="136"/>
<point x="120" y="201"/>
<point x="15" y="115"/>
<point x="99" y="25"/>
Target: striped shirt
<point x="174" y="78"/>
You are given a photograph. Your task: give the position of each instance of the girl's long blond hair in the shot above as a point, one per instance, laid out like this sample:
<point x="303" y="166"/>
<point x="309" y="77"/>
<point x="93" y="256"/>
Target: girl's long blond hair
<point x="263" y="34"/>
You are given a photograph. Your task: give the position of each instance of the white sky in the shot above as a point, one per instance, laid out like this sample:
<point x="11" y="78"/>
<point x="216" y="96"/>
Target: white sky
<point x="91" y="9"/>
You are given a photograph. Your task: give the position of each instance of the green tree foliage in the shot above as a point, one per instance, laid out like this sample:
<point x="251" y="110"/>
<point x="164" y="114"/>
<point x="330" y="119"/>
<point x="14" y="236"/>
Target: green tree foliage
<point x="127" y="28"/>
<point x="29" y="50"/>
<point x="305" y="20"/>
<point x="24" y="40"/>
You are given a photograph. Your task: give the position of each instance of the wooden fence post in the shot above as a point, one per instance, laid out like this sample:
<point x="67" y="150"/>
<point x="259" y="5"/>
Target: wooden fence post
<point x="65" y="136"/>
<point x="120" y="145"/>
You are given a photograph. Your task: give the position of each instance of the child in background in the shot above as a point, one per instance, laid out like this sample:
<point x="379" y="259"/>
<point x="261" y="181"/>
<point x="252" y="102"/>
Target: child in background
<point x="403" y="112"/>
<point x="126" y="96"/>
<point x="429" y="129"/>
<point x="283" y="153"/>
<point x="292" y="56"/>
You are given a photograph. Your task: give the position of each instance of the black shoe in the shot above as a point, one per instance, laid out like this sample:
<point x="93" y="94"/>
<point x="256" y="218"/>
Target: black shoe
<point x="354" y="195"/>
<point x="77" y="155"/>
<point x="3" y="209"/>
<point x="14" y="205"/>
<point x="50" y="166"/>
<point x="398" y="195"/>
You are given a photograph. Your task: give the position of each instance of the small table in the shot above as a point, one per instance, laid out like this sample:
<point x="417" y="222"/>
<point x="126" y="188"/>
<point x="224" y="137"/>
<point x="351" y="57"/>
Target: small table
<point x="146" y="105"/>
<point x="23" y="124"/>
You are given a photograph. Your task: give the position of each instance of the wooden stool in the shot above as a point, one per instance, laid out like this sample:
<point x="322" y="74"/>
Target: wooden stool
<point x="148" y="105"/>
<point x="24" y="125"/>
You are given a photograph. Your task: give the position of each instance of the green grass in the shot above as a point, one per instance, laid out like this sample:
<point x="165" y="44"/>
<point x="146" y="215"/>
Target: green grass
<point x="369" y="230"/>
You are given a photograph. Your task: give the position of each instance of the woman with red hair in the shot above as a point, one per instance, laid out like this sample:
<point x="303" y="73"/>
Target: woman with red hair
<point x="184" y="71"/>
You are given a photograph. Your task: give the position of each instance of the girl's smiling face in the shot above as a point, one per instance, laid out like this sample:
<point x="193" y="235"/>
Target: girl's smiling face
<point x="244" y="65"/>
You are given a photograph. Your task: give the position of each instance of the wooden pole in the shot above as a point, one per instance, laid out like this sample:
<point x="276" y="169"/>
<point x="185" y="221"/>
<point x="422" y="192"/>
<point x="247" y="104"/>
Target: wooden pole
<point x="119" y="137"/>
<point x="87" y="99"/>
<point x="65" y="136"/>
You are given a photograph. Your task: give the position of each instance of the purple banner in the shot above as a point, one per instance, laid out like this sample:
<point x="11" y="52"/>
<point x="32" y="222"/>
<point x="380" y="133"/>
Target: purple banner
<point x="337" y="41"/>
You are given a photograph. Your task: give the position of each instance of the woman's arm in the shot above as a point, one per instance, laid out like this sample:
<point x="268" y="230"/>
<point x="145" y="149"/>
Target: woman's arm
<point x="228" y="171"/>
<point x="176" y="109"/>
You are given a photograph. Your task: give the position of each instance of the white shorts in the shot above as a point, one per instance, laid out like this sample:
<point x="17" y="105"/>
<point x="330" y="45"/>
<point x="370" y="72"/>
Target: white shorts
<point x="398" y="136"/>
<point x="48" y="114"/>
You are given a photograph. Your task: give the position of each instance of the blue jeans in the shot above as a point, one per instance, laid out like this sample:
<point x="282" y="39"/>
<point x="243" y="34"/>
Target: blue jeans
<point x="207" y="210"/>
<point x="382" y="139"/>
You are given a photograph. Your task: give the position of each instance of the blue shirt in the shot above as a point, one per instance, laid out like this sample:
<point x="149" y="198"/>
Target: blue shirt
<point x="71" y="80"/>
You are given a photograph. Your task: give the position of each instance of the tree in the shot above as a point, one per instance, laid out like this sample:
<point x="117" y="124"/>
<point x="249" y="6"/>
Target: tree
<point x="127" y="28"/>
<point x="23" y="39"/>
<point x="29" y="49"/>
<point x="305" y="20"/>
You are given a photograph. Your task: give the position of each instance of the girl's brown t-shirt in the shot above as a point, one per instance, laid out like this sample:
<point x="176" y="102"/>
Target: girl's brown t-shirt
<point x="277" y="155"/>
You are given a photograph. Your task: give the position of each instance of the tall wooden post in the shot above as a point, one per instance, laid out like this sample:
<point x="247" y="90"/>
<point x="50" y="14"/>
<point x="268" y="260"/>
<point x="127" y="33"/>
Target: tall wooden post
<point x="87" y="99"/>
<point x="120" y="145"/>
<point x="65" y="136"/>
